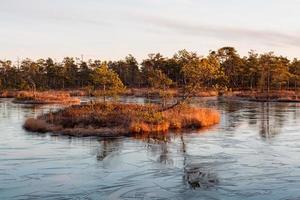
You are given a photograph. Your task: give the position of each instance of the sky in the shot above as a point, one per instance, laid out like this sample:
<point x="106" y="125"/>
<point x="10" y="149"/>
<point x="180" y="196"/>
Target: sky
<point x="112" y="29"/>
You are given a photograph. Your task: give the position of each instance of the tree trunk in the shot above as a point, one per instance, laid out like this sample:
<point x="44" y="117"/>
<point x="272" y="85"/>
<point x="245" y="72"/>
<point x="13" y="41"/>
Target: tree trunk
<point x="268" y="82"/>
<point x="104" y="96"/>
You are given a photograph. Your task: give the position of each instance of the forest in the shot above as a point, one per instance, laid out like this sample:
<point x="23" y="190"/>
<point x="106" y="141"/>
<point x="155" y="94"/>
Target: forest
<point x="223" y="69"/>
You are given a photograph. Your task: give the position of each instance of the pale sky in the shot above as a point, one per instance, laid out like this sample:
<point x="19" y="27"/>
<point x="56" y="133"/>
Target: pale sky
<point x="112" y="29"/>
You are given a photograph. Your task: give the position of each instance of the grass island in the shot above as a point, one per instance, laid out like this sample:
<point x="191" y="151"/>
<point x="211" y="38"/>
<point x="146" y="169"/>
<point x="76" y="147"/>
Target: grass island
<point x="117" y="119"/>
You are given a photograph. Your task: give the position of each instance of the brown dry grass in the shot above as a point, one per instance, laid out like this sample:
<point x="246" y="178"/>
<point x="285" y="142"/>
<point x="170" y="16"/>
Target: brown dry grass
<point x="36" y="125"/>
<point x="116" y="118"/>
<point x="48" y="97"/>
<point x="188" y="117"/>
<point x="39" y="125"/>
<point x="154" y="93"/>
<point x="78" y="93"/>
<point x="58" y="96"/>
<point x="149" y="92"/>
<point x="274" y="95"/>
<point x="211" y="93"/>
<point x="8" y="94"/>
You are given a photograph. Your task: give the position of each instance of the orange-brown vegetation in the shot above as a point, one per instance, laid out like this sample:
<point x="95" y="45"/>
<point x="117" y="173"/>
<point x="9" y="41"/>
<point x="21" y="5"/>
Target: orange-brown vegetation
<point x="79" y="93"/>
<point x="149" y="92"/>
<point x="49" y="97"/>
<point x="211" y="93"/>
<point x="173" y="92"/>
<point x="8" y="94"/>
<point x="106" y="119"/>
<point x="278" y="96"/>
<point x="137" y="92"/>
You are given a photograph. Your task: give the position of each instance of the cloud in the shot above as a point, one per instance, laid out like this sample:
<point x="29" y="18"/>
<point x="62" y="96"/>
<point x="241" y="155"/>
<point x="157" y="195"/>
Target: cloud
<point x="267" y="37"/>
<point x="54" y="11"/>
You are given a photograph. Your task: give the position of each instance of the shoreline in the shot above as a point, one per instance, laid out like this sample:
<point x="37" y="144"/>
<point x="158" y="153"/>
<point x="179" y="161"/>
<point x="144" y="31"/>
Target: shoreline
<point x="70" y="96"/>
<point x="272" y="96"/>
<point x="39" y="98"/>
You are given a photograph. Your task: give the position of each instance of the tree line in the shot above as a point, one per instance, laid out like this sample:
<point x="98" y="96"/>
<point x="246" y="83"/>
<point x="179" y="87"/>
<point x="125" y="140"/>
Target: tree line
<point x="222" y="69"/>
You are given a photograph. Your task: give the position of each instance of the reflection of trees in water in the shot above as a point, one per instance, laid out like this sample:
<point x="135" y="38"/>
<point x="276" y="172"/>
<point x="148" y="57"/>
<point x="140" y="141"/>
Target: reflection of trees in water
<point x="4" y="109"/>
<point x="252" y="116"/>
<point x="158" y="143"/>
<point x="296" y="113"/>
<point x="268" y="117"/>
<point x="107" y="146"/>
<point x="233" y="116"/>
<point x="11" y="110"/>
<point x="196" y="175"/>
<point x="164" y="156"/>
<point x="271" y="121"/>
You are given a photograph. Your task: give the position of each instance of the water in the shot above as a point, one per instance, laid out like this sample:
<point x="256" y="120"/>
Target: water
<point x="252" y="154"/>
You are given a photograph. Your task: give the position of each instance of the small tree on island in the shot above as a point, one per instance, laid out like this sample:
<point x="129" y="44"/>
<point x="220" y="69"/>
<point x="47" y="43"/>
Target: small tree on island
<point x="196" y="72"/>
<point x="295" y="74"/>
<point x="159" y="80"/>
<point x="107" y="81"/>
